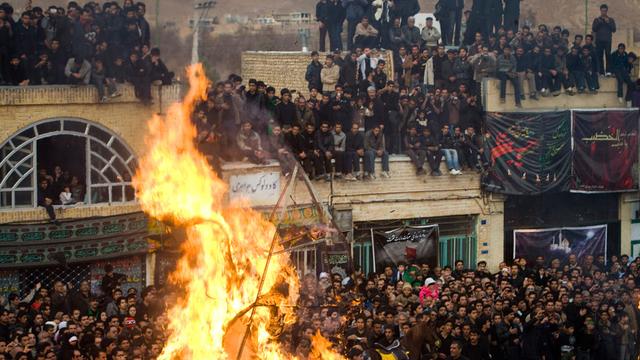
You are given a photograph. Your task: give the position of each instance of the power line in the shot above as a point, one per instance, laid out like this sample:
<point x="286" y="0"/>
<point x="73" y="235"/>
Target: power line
<point x="203" y="8"/>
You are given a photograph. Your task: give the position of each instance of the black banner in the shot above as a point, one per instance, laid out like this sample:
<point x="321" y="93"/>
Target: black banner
<point x="529" y="153"/>
<point x="605" y="150"/>
<point x="409" y="245"/>
<point x="559" y="243"/>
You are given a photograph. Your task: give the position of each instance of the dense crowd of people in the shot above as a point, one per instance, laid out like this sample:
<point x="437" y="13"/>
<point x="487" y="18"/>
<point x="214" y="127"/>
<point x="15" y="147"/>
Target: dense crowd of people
<point x="64" y="322"/>
<point x="99" y="44"/>
<point x="340" y="135"/>
<point x="577" y="309"/>
<point x="356" y="109"/>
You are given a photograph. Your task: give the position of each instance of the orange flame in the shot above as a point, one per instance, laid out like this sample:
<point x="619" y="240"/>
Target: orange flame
<point x="226" y="249"/>
<point x="321" y="349"/>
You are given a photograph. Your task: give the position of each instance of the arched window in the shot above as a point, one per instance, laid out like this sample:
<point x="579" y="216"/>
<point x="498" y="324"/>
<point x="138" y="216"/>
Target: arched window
<point x="102" y="164"/>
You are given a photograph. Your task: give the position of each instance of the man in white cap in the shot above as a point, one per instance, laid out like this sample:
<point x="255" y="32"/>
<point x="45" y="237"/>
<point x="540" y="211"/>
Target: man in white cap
<point x="430" y="290"/>
<point x="324" y="281"/>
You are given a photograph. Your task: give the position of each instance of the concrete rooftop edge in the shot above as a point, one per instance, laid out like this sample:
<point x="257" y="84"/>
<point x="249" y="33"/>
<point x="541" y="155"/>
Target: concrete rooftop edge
<point x="78" y="94"/>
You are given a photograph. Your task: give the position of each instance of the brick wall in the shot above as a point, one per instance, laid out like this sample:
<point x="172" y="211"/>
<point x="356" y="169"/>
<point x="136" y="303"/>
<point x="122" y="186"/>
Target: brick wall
<point x="404" y="196"/>
<point x="125" y="115"/>
<point x="40" y="215"/>
<point x="606" y="98"/>
<point x="282" y="69"/>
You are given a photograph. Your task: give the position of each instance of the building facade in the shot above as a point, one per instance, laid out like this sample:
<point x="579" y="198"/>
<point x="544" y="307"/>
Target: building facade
<point x="49" y="126"/>
<point x="45" y="127"/>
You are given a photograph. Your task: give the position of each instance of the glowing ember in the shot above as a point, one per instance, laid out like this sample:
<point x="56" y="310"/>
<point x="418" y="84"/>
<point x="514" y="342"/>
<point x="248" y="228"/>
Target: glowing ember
<point x="321" y="349"/>
<point x="225" y="252"/>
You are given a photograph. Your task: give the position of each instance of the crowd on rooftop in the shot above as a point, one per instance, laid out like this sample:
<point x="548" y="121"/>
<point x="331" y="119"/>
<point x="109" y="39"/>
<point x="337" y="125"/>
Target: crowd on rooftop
<point x="357" y="109"/>
<point x="99" y="44"/>
<point x="547" y="59"/>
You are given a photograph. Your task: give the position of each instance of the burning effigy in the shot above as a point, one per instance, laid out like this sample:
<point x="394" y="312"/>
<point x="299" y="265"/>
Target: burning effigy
<point x="238" y="286"/>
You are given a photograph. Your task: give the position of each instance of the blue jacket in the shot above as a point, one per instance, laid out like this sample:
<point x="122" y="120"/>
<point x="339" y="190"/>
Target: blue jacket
<point x="620" y="62"/>
<point x="355" y="9"/>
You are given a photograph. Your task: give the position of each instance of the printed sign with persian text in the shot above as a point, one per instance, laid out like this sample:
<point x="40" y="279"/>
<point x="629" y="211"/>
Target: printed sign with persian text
<point x="260" y="189"/>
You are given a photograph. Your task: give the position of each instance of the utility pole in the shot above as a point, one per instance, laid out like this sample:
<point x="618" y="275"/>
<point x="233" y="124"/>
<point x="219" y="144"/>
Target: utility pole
<point x="586" y="17"/>
<point x="201" y="10"/>
<point x="157" y="32"/>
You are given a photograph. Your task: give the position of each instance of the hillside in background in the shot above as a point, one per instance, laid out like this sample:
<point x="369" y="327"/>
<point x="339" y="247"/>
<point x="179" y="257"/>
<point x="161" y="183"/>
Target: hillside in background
<point x="174" y="33"/>
<point x="568" y="13"/>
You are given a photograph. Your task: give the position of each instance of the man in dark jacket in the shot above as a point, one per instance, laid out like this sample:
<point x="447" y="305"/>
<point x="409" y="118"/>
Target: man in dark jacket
<point x="341" y="108"/>
<point x="507" y="72"/>
<point x="511" y="15"/>
<point x="478" y="23"/>
<point x="46" y="198"/>
<point x="574" y="67"/>
<point x="84" y="35"/>
<point x="551" y="79"/>
<point x="349" y="72"/>
<point x="118" y="70"/>
<point x="590" y="44"/>
<point x="41" y="73"/>
<point x="414" y="149"/>
<point x="286" y="111"/>
<point x="405" y="9"/>
<point x="396" y="38"/>
<point x="445" y="13"/>
<point x="472" y="148"/>
<point x="254" y="108"/>
<point x="392" y="124"/>
<point x="5" y="48"/>
<point x="621" y="65"/>
<point x="374" y="146"/>
<point x="313" y="72"/>
<point x="131" y="40"/>
<point x="114" y="23"/>
<point x="24" y="38"/>
<point x="590" y="70"/>
<point x="296" y="142"/>
<point x="411" y="33"/>
<point x="335" y="20"/>
<point x="17" y="72"/>
<point x="431" y="146"/>
<point x="322" y="16"/>
<point x="312" y="151"/>
<point x="143" y="24"/>
<point x="457" y="33"/>
<point x="138" y="73"/>
<point x="159" y="73"/>
<point x="438" y="60"/>
<point x="447" y="69"/>
<point x="324" y="148"/>
<point x="526" y="72"/>
<point x="58" y="60"/>
<point x="355" y="149"/>
<point x="355" y="10"/>
<point x="603" y="27"/>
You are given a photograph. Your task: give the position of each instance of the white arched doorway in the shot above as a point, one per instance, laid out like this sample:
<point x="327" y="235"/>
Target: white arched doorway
<point x="109" y="163"/>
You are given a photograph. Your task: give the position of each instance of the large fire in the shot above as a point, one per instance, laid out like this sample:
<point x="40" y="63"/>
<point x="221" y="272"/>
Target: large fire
<point x="226" y="250"/>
